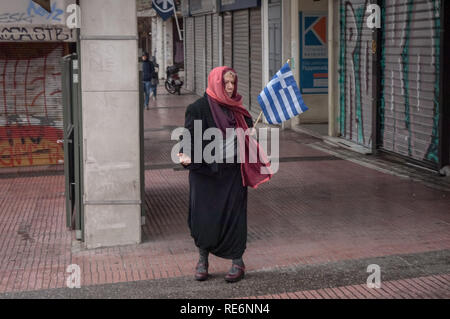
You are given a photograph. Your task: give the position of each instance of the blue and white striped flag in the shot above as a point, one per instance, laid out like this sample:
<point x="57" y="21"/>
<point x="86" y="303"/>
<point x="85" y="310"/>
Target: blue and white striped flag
<point x="281" y="99"/>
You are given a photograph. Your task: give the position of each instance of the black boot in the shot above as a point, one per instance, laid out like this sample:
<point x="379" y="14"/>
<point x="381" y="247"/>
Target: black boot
<point x="237" y="271"/>
<point x="201" y="271"/>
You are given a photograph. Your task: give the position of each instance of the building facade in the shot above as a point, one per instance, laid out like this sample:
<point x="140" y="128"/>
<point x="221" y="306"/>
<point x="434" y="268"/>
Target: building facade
<point x="32" y="43"/>
<point x="218" y="34"/>
<point x="390" y="80"/>
<point x="161" y="39"/>
<point x="45" y="67"/>
<point x="378" y="88"/>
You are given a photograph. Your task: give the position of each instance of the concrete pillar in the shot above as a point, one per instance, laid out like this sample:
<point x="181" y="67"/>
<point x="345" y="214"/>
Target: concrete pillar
<point x="265" y="40"/>
<point x="160" y="45"/>
<point x="154" y="36"/>
<point x="331" y="71"/>
<point x="333" y="74"/>
<point x="295" y="47"/>
<point x="110" y="100"/>
<point x="287" y="16"/>
<point x="164" y="45"/>
<point x="168" y="43"/>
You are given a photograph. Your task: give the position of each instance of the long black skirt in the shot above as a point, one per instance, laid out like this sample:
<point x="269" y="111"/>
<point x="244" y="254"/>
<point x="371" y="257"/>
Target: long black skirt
<point x="218" y="212"/>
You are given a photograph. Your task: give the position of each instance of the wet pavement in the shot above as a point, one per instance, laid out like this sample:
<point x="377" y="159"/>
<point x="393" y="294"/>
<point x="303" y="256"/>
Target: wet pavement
<point x="313" y="230"/>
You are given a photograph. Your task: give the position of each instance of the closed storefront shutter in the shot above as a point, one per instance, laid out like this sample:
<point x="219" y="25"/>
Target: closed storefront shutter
<point x="190" y="54"/>
<point x="209" y="44"/>
<point x="31" y="112"/>
<point x="216" y="39"/>
<point x="200" y="55"/>
<point x="241" y="52"/>
<point x="256" y="82"/>
<point x="228" y="39"/>
<point x="356" y="74"/>
<point x="409" y="112"/>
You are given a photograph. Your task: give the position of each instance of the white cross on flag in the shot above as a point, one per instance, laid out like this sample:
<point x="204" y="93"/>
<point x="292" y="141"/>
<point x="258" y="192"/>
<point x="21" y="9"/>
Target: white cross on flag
<point x="281" y="99"/>
<point x="165" y="8"/>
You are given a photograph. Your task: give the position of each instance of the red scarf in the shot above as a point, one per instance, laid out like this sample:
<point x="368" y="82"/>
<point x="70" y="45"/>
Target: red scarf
<point x="251" y="172"/>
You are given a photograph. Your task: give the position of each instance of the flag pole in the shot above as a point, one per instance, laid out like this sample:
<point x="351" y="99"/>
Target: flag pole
<point x="259" y="117"/>
<point x="176" y="20"/>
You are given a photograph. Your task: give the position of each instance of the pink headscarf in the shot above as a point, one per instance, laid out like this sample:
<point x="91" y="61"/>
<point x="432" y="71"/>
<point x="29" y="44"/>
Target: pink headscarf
<point x="251" y="172"/>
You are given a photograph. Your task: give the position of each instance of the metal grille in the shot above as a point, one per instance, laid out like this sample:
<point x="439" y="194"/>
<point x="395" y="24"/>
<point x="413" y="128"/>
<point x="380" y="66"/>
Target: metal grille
<point x="241" y="52"/>
<point x="190" y="54"/>
<point x="256" y="82"/>
<point x="31" y="114"/>
<point x="228" y="39"/>
<point x="200" y="55"/>
<point x="356" y="73"/>
<point x="411" y="75"/>
<point x="209" y="44"/>
<point x="215" y="39"/>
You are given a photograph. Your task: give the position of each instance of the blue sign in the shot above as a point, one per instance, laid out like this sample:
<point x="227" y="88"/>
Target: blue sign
<point x="313" y="53"/>
<point x="164" y="8"/>
<point x="230" y="5"/>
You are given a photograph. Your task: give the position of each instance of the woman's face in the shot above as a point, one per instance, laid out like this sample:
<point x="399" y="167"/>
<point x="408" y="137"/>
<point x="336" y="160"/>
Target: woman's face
<point x="229" y="84"/>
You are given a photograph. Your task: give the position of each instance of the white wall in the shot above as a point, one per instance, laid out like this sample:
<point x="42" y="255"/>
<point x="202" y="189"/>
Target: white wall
<point x="162" y="43"/>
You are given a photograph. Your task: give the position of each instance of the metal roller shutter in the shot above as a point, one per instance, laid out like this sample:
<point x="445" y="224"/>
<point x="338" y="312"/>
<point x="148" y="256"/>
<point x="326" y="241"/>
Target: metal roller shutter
<point x="31" y="112"/>
<point x="256" y="83"/>
<point x="356" y="73"/>
<point x="200" y="55"/>
<point x="215" y="39"/>
<point x="410" y="97"/>
<point x="228" y="39"/>
<point x="209" y="45"/>
<point x="241" y="53"/>
<point x="190" y="54"/>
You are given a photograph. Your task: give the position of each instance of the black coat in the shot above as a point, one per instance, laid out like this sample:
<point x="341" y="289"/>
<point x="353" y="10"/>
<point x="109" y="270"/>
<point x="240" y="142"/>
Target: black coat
<point x="148" y="70"/>
<point x="200" y="110"/>
<point x="217" y="215"/>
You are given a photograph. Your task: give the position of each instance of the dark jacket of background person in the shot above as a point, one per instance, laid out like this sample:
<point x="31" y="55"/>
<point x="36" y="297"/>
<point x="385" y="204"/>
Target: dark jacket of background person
<point x="148" y="69"/>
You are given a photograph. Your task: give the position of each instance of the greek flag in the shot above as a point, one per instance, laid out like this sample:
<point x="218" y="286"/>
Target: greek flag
<point x="281" y="99"/>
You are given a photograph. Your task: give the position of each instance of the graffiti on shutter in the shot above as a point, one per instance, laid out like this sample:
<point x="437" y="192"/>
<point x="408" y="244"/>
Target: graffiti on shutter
<point x="409" y="112"/>
<point x="31" y="115"/>
<point x="356" y="73"/>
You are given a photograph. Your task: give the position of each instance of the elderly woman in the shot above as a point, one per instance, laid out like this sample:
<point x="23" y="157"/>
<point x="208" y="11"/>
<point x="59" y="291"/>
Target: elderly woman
<point x="218" y="191"/>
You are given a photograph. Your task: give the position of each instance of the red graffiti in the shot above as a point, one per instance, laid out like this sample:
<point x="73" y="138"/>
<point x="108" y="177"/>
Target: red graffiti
<point x="31" y="89"/>
<point x="30" y="145"/>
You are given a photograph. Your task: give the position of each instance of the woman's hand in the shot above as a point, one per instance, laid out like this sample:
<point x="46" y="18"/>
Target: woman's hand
<point x="184" y="159"/>
<point x="252" y="131"/>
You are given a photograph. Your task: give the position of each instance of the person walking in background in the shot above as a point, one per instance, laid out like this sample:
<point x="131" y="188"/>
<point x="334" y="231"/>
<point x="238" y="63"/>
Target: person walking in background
<point x="148" y="70"/>
<point x="155" y="77"/>
<point x="218" y="191"/>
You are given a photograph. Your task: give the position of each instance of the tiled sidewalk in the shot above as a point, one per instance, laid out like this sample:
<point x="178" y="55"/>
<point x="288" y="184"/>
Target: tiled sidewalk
<point x="316" y="209"/>
<point x="431" y="287"/>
